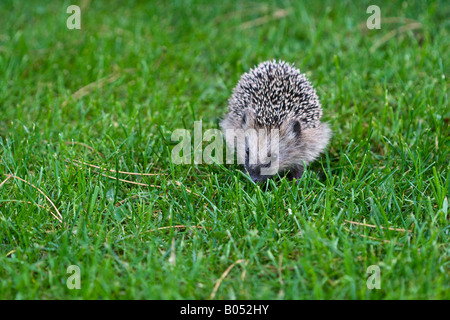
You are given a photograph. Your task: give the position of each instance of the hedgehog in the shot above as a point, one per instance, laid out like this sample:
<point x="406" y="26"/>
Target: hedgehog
<point x="274" y="118"/>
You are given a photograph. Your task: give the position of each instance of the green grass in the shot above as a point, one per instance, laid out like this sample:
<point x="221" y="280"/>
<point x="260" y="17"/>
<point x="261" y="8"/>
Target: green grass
<point x="167" y="65"/>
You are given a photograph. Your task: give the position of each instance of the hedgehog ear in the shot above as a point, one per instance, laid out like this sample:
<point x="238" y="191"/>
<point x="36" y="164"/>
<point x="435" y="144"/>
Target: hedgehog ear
<point x="295" y="128"/>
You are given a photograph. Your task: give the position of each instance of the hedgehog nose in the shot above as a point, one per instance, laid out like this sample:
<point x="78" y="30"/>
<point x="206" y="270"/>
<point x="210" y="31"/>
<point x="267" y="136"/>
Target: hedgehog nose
<point x="254" y="171"/>
<point x="258" y="178"/>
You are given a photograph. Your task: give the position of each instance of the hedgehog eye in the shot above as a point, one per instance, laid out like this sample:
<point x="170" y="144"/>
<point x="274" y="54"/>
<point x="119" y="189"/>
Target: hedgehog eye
<point x="296" y="128"/>
<point x="244" y="119"/>
<point x="247" y="148"/>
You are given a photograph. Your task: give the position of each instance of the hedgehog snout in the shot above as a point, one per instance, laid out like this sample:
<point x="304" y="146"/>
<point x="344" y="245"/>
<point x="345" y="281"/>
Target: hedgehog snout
<point x="254" y="172"/>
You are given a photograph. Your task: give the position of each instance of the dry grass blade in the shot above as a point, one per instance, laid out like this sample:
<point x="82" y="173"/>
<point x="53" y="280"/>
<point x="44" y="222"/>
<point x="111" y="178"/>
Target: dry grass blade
<point x="121" y="202"/>
<point x="84" y="145"/>
<point x="10" y="253"/>
<point x="128" y="181"/>
<point x="92" y="86"/>
<point x="177" y="227"/>
<point x="189" y="191"/>
<point x="262" y="8"/>
<point x="173" y="257"/>
<point x="84" y="4"/>
<point x="393" y="33"/>
<point x="374" y="226"/>
<point x="114" y="171"/>
<point x="278" y="14"/>
<point x="13" y="200"/>
<point x="4" y="181"/>
<point x="244" y="273"/>
<point x="79" y="163"/>
<point x="217" y="285"/>
<point x="387" y="20"/>
<point x="161" y="58"/>
<point x="398" y="20"/>
<point x="59" y="217"/>
<point x="368" y="237"/>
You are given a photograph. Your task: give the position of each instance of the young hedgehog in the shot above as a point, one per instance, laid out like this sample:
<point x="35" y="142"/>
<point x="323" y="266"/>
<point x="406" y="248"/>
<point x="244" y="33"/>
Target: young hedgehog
<point x="275" y="95"/>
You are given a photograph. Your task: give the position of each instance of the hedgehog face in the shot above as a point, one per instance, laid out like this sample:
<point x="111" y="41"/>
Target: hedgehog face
<point x="267" y="152"/>
<point x="261" y="154"/>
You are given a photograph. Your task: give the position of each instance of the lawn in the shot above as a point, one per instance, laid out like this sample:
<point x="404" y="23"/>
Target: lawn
<point x="78" y="106"/>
